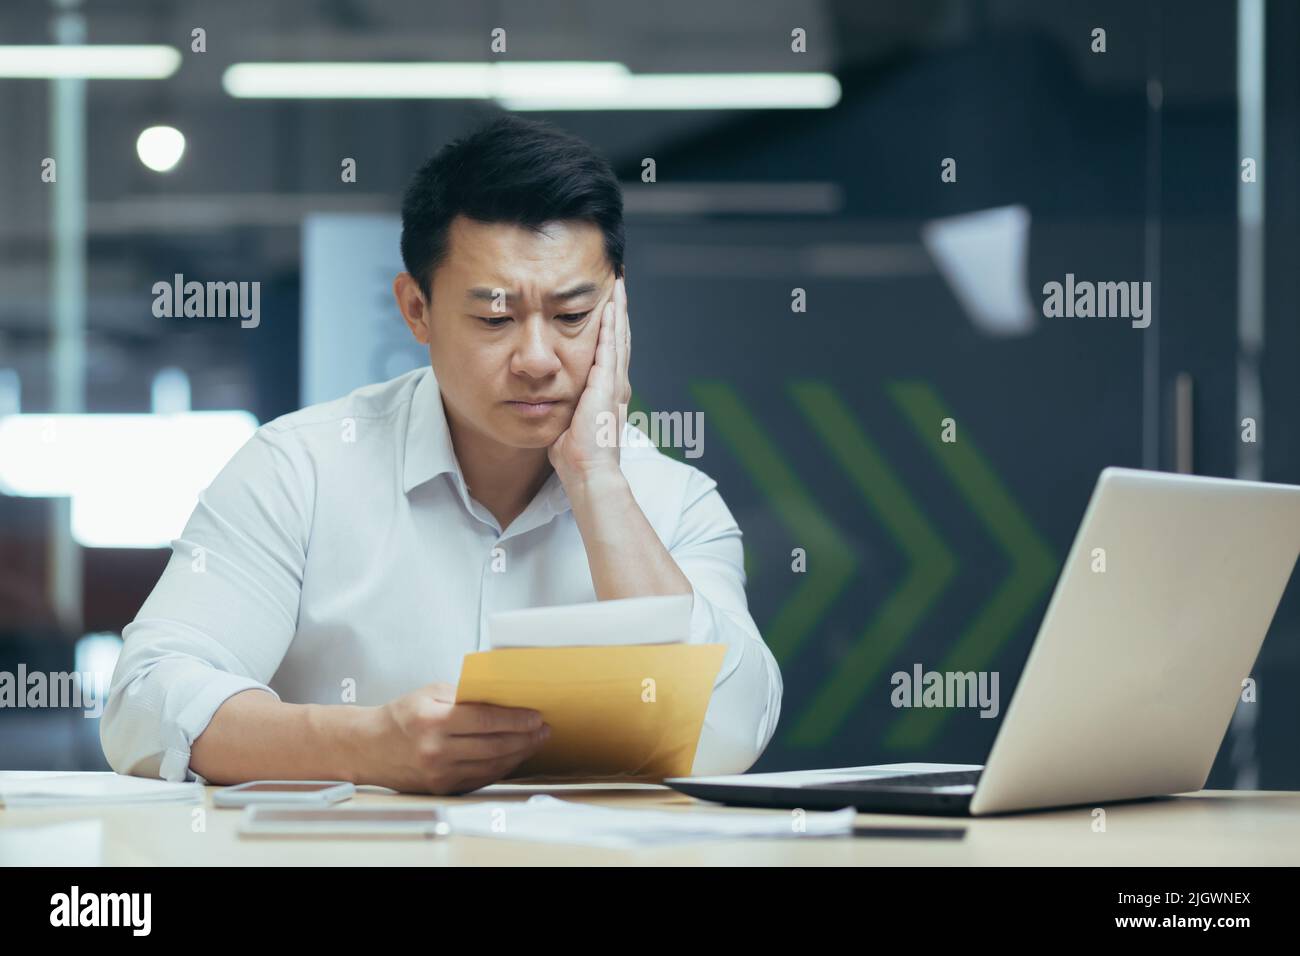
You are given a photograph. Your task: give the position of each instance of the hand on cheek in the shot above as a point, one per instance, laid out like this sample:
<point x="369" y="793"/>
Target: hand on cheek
<point x="589" y="446"/>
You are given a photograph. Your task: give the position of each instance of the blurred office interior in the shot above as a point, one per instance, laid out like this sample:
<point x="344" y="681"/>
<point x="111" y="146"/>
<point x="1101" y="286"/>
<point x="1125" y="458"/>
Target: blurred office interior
<point x="923" y="297"/>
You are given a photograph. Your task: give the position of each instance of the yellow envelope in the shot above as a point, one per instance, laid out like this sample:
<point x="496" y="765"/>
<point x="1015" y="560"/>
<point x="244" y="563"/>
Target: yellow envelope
<point x="624" y="713"/>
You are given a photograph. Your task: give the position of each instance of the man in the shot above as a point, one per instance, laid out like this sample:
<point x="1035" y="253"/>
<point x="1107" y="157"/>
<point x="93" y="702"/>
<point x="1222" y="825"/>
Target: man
<point x="313" y="616"/>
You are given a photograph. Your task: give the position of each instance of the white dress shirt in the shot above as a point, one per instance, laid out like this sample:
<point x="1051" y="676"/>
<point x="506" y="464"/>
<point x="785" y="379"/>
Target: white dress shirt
<point x="340" y="548"/>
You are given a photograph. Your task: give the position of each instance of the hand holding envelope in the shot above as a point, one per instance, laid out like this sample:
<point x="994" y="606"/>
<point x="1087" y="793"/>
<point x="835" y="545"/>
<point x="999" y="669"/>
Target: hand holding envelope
<point x="623" y="693"/>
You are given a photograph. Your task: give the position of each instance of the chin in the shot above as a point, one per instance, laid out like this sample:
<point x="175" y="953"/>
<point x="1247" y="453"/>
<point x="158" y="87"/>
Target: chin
<point x="538" y="439"/>
<point x="541" y="434"/>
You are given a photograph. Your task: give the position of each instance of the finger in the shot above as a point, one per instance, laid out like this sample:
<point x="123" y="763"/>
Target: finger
<point x="604" y="368"/>
<point x="621" y="329"/>
<point x="627" y="349"/>
<point x="476" y="774"/>
<point x="466" y="748"/>
<point x="493" y="767"/>
<point x="492" y="719"/>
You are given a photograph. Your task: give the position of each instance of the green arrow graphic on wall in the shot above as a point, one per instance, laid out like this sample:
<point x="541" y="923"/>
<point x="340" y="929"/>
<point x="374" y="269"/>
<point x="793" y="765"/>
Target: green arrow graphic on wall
<point x="832" y="565"/>
<point x="930" y="564"/>
<point x="1033" y="566"/>
<point x="795" y="507"/>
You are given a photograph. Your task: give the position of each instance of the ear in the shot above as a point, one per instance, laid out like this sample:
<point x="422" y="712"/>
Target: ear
<point x="410" y="302"/>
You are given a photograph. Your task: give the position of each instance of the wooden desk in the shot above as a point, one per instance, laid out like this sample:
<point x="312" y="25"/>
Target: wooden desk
<point x="1213" y="827"/>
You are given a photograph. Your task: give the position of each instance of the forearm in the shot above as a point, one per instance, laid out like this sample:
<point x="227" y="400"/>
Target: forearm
<point x="253" y="736"/>
<point x="626" y="557"/>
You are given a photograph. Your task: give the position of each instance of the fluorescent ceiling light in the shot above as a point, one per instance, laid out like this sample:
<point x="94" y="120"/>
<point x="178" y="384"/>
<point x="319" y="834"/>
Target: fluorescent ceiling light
<point x="413" y="80"/>
<point x="133" y="479"/>
<point x="90" y="62"/>
<point x="535" y="85"/>
<point x="690" y="91"/>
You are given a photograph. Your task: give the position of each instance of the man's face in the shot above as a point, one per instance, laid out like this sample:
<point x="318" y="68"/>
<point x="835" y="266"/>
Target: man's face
<point x="512" y="325"/>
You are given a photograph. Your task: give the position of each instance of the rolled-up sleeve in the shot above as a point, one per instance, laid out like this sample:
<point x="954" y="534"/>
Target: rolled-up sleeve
<point x="746" y="703"/>
<point x="222" y="615"/>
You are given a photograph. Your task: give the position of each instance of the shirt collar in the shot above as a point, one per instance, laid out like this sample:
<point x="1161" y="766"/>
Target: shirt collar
<point x="429" y="451"/>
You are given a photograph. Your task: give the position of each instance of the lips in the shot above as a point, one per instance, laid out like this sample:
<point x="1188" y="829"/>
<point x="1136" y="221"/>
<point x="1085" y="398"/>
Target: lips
<point x="534" y="407"/>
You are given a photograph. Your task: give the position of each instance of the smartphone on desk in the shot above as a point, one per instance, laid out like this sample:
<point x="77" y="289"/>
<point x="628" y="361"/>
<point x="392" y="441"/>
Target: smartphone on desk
<point x="327" y="822"/>
<point x="308" y="793"/>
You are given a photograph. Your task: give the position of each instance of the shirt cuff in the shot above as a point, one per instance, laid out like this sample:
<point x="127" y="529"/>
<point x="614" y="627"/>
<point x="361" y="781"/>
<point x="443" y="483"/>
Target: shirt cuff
<point x="214" y="689"/>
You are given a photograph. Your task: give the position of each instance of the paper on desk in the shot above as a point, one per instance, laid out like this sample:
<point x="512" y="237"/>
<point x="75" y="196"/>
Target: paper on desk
<point x="584" y="786"/>
<point x="623" y="713"/>
<point x="646" y="620"/>
<point x="88" y="789"/>
<point x="546" y="819"/>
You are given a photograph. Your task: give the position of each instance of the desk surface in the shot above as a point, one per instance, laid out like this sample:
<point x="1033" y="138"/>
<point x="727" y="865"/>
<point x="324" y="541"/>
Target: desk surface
<point x="1212" y="827"/>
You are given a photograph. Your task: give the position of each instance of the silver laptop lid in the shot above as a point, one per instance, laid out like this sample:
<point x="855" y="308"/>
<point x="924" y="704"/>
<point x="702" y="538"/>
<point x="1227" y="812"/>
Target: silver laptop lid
<point x="1136" y="670"/>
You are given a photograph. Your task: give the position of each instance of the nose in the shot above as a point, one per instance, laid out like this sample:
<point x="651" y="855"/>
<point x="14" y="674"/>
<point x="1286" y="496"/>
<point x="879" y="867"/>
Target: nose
<point x="535" y="354"/>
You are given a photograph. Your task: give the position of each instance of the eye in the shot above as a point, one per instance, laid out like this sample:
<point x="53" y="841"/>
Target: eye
<point x="574" y="317"/>
<point x="493" y="321"/>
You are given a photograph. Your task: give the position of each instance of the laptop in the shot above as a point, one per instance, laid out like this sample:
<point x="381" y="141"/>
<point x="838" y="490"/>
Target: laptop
<point x="1134" y="674"/>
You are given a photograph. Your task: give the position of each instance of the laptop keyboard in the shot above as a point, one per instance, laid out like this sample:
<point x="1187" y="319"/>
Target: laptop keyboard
<point x="942" y="778"/>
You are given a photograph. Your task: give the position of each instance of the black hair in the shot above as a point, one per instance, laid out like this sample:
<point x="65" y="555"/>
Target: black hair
<point x="513" y="170"/>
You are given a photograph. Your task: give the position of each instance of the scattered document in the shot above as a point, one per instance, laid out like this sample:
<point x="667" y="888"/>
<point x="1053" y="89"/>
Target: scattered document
<point x="40" y="789"/>
<point x="549" y="820"/>
<point x="646" y="620"/>
<point x="585" y="786"/>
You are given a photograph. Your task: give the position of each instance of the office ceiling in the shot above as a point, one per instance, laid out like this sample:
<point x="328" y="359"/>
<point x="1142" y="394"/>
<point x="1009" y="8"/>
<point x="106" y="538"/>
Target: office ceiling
<point x="252" y="168"/>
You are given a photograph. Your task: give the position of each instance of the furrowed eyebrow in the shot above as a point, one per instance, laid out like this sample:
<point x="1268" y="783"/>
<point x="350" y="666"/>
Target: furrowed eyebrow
<point x="483" y="294"/>
<point x="585" y="288"/>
